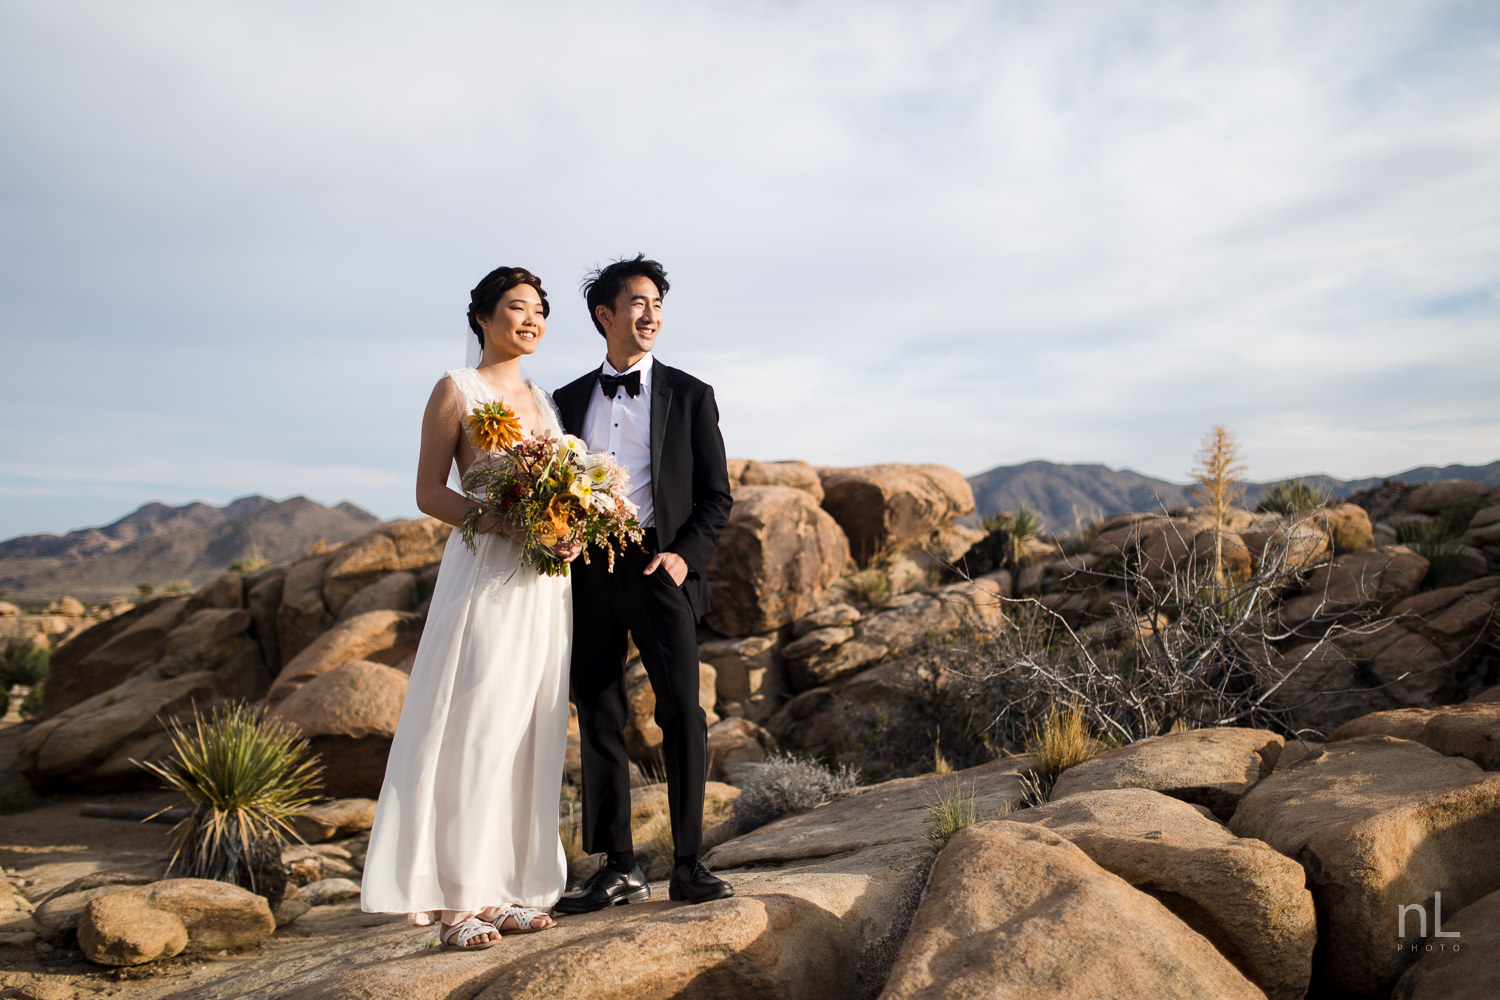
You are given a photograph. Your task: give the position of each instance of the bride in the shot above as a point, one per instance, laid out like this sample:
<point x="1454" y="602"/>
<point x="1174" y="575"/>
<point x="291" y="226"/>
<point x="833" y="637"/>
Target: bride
<point x="465" y="831"/>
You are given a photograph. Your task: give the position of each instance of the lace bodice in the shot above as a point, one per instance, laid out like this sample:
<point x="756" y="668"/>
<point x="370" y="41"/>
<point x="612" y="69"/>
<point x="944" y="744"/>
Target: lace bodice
<point x="476" y="392"/>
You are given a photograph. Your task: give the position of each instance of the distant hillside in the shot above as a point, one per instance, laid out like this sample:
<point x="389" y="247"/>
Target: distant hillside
<point x="192" y="543"/>
<point x="151" y="519"/>
<point x="1069" y="495"/>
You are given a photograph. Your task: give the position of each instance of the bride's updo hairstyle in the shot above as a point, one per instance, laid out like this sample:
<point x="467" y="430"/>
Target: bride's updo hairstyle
<point x="486" y="295"/>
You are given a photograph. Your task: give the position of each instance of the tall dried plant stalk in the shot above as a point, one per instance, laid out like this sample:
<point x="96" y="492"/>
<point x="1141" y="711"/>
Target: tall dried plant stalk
<point x="1218" y="477"/>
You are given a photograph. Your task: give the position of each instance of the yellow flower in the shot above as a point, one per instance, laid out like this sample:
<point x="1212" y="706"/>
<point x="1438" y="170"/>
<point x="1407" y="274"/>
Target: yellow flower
<point x="494" y="426"/>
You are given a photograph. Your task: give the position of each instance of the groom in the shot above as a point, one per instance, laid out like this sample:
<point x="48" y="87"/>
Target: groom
<point x="662" y="426"/>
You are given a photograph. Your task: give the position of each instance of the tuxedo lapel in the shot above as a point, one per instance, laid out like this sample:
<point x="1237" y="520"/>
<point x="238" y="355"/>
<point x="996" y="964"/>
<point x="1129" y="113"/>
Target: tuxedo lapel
<point x="573" y="402"/>
<point x="661" y="402"/>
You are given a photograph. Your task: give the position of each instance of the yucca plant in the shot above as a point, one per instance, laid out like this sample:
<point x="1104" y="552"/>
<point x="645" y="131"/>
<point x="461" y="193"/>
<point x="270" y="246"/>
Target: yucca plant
<point x="1291" y="497"/>
<point x="24" y="662"/>
<point x="244" y="777"/>
<point x="1442" y="549"/>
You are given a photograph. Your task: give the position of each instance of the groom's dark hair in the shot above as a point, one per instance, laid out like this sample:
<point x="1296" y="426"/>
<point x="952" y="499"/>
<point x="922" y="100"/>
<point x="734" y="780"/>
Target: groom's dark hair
<point x="485" y="296"/>
<point x="602" y="287"/>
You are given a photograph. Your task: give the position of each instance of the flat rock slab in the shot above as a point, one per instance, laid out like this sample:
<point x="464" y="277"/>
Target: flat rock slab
<point x="1207" y="767"/>
<point x="1249" y="900"/>
<point x="822" y="902"/>
<point x="1378" y="823"/>
<point x="829" y="927"/>
<point x="1014" y="910"/>
<point x="891" y="812"/>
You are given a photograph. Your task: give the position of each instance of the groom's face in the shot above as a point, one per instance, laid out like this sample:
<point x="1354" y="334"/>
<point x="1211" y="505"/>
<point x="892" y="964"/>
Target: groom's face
<point x="630" y="328"/>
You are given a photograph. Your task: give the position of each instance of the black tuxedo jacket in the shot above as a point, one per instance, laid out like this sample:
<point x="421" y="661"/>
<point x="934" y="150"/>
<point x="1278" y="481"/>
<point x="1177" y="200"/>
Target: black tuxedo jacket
<point x="689" y="475"/>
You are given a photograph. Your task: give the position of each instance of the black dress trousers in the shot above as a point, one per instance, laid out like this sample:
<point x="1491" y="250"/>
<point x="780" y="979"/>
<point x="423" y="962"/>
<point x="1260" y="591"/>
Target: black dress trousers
<point x="656" y="613"/>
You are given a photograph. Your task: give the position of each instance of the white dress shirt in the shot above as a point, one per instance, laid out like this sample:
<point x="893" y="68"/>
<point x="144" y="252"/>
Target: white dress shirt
<point x="621" y="427"/>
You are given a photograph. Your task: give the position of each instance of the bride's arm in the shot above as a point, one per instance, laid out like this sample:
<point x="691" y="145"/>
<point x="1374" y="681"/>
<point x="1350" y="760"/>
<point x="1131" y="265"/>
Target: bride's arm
<point x="440" y="429"/>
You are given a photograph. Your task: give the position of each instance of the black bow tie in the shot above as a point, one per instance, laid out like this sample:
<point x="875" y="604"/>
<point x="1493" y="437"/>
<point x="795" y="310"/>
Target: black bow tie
<point x="631" y="383"/>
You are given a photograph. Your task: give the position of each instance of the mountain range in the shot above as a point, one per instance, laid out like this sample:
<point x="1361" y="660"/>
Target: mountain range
<point x="157" y="544"/>
<point x="1067" y="497"/>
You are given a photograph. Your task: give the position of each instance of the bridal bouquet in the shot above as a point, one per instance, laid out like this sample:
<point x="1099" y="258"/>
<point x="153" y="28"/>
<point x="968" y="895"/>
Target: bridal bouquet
<point x="555" y="490"/>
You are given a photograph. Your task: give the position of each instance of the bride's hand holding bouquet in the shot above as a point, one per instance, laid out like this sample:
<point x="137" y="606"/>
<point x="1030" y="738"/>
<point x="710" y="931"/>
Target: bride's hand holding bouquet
<point x="552" y="495"/>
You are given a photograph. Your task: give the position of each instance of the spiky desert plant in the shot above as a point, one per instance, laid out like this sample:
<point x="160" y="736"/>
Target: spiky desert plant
<point x="24" y="662"/>
<point x="1291" y="497"/>
<point x="244" y="777"/>
<point x="1443" y="550"/>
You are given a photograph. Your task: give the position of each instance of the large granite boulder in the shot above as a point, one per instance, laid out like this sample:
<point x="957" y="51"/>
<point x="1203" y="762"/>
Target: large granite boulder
<point x="1470" y="730"/>
<point x="1348" y="525"/>
<point x="774" y="560"/>
<point x="1371" y="581"/>
<point x="1378" y="824"/>
<point x="399" y="545"/>
<point x="92" y="744"/>
<point x="1422" y="653"/>
<point x="379" y="636"/>
<point x="750" y="673"/>
<point x="799" y="475"/>
<point x="262" y="599"/>
<point x="1207" y="767"/>
<point x="886" y="508"/>
<point x="1249" y="900"/>
<point x="301" y="616"/>
<point x="393" y="592"/>
<point x="103" y="656"/>
<point x="1014" y="910"/>
<point x="348" y="716"/>
<point x="1434" y="498"/>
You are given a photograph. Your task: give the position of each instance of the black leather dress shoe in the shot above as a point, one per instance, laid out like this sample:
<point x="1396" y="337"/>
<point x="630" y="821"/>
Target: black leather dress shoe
<point x="693" y="882"/>
<point x="607" y="887"/>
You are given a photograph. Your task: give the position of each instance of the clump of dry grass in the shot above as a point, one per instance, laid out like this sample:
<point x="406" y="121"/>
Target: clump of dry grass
<point x="871" y="586"/>
<point x="953" y="810"/>
<point x="1061" y="739"/>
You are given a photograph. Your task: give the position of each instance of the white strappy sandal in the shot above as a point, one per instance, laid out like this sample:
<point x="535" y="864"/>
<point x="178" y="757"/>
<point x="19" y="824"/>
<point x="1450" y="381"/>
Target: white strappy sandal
<point x="524" y="917"/>
<point x="460" y="934"/>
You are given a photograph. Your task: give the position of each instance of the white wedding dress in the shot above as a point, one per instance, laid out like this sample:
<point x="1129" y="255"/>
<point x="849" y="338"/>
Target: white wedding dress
<point x="468" y="813"/>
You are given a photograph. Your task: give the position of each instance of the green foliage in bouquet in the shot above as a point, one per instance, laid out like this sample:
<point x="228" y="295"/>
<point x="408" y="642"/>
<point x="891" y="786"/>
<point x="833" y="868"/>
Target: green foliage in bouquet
<point x="244" y="777"/>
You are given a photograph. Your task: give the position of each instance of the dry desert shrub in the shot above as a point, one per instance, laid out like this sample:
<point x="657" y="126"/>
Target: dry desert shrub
<point x="787" y="784"/>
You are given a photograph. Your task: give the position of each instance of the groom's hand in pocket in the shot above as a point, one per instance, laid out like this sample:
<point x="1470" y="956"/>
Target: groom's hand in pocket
<point x="675" y="566"/>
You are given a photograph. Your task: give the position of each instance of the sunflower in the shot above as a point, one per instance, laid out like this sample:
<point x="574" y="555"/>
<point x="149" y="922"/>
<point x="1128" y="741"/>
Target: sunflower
<point x="494" y="426"/>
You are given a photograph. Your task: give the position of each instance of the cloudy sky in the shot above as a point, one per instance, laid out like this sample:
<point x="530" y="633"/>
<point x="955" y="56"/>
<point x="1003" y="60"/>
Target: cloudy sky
<point x="238" y="238"/>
